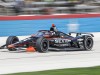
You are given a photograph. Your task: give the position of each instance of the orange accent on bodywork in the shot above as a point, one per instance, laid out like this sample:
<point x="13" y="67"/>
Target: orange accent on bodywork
<point x="33" y="35"/>
<point x="47" y="36"/>
<point x="30" y="49"/>
<point x="11" y="46"/>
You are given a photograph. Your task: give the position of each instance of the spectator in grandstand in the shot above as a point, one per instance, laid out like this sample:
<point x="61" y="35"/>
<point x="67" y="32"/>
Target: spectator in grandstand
<point x="48" y="11"/>
<point x="72" y="4"/>
<point x="18" y="6"/>
<point x="48" y="0"/>
<point x="3" y="0"/>
<point x="28" y="3"/>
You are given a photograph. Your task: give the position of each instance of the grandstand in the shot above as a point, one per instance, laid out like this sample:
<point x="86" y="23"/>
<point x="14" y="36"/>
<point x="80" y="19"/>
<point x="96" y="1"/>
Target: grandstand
<point x="45" y="7"/>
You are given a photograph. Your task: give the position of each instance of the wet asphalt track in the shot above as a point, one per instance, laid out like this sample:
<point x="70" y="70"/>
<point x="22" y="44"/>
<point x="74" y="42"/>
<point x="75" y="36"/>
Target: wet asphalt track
<point x="21" y="61"/>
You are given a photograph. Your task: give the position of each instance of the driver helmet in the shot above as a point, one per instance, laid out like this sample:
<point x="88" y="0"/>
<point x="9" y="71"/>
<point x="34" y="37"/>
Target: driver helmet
<point x="53" y="28"/>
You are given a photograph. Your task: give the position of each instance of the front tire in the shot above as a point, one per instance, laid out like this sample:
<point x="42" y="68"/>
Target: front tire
<point x="11" y="40"/>
<point x="42" y="45"/>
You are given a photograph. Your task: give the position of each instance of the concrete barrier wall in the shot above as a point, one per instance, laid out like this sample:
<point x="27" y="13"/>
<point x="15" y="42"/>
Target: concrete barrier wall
<point x="26" y="25"/>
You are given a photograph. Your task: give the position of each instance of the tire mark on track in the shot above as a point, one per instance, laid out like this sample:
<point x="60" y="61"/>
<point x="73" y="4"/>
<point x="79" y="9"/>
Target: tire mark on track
<point x="52" y="55"/>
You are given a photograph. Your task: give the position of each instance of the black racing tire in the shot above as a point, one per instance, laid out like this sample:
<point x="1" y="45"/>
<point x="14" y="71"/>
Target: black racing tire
<point x="11" y="40"/>
<point x="88" y="42"/>
<point x="42" y="45"/>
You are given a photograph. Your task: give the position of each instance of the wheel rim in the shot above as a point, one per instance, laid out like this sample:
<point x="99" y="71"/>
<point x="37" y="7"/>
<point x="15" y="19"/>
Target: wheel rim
<point x="89" y="43"/>
<point x="14" y="40"/>
<point x="45" y="45"/>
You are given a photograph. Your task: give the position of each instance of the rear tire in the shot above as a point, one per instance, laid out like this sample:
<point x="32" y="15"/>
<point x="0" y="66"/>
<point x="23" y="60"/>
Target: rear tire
<point x="11" y="40"/>
<point x="42" y="45"/>
<point x="88" y="42"/>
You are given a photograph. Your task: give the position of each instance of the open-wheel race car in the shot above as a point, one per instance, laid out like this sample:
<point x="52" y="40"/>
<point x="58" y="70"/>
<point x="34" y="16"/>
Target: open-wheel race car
<point x="45" y="40"/>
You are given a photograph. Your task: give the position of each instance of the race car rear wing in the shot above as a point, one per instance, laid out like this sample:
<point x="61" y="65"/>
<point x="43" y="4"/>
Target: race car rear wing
<point x="77" y="34"/>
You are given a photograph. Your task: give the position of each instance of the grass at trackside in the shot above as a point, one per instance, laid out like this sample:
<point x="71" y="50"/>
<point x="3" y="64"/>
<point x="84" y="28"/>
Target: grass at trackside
<point x="73" y="71"/>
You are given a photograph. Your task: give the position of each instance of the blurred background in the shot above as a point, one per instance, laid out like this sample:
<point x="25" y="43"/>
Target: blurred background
<point x="46" y="7"/>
